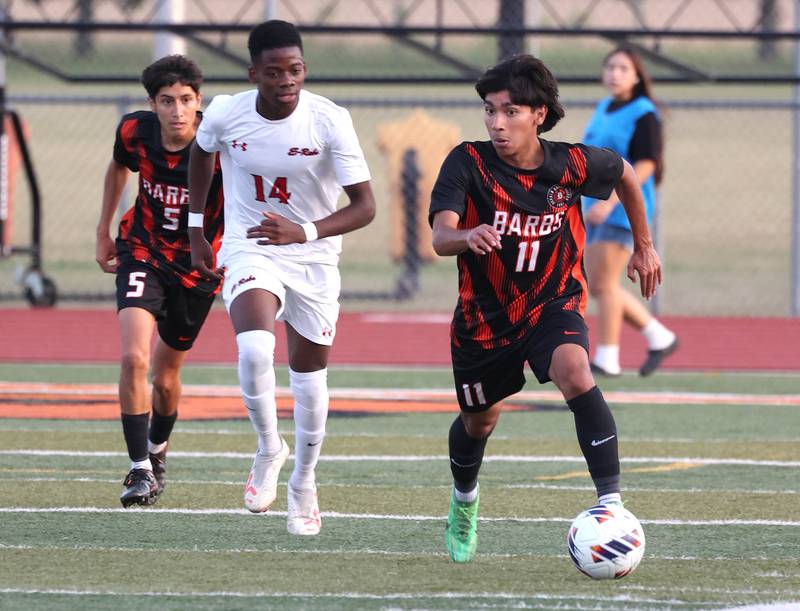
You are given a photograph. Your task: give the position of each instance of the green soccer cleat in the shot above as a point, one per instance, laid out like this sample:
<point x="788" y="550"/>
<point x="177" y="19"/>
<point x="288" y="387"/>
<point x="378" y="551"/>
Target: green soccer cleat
<point x="461" y="532"/>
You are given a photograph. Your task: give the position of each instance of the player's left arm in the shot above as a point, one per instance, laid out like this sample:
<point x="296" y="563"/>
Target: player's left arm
<point x="645" y="260"/>
<point x="276" y="229"/>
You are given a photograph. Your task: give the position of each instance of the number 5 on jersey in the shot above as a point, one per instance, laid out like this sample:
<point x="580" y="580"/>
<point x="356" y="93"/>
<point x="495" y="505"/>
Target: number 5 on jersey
<point x="279" y="191"/>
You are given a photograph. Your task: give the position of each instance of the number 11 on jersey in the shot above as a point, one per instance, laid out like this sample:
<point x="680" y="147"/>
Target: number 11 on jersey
<point x="279" y="191"/>
<point x="477" y="389"/>
<point x="526" y="257"/>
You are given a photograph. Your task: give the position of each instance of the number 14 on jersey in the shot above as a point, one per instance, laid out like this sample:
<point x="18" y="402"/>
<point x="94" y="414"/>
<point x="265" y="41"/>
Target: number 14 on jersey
<point x="279" y="190"/>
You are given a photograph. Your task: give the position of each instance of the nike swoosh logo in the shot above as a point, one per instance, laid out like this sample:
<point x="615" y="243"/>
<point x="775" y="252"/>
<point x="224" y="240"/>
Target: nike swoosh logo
<point x="596" y="443"/>
<point x="572" y="332"/>
<point x="315" y="444"/>
<point x="457" y="464"/>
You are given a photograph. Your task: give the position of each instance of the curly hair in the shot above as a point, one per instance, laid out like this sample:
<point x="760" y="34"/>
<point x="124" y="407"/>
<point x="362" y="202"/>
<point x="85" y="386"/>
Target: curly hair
<point x="528" y="82"/>
<point x="169" y="70"/>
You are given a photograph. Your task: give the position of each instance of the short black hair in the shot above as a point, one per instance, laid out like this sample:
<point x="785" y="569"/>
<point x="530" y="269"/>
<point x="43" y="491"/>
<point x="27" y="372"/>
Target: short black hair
<point x="169" y="70"/>
<point x="528" y="82"/>
<point x="273" y="34"/>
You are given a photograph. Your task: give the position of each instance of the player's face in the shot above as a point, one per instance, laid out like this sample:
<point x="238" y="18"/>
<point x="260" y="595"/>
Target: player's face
<point x="619" y="76"/>
<point x="279" y="75"/>
<point x="512" y="127"/>
<point x="176" y="107"/>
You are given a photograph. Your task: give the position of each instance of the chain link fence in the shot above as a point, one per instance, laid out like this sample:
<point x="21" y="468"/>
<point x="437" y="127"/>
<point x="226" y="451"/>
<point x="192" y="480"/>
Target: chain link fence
<point x="726" y="201"/>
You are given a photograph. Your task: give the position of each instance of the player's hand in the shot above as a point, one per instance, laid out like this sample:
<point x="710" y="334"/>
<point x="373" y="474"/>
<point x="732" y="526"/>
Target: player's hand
<point x="276" y="230"/>
<point x="645" y="262"/>
<point x="597" y="214"/>
<point x="105" y="253"/>
<point x="483" y="239"/>
<point x="203" y="256"/>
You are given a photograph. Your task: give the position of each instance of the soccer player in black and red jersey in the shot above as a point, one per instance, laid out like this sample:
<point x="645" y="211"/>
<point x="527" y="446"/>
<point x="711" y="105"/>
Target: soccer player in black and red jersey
<point x="152" y="261"/>
<point x="509" y="208"/>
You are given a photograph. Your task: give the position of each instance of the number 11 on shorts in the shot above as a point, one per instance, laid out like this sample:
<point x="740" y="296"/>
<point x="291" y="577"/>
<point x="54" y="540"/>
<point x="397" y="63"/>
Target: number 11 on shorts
<point x="475" y="390"/>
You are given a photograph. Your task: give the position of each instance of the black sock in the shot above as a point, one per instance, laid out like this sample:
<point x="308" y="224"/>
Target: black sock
<point x="466" y="456"/>
<point x="597" y="436"/>
<point x="135" y="430"/>
<point x="161" y="426"/>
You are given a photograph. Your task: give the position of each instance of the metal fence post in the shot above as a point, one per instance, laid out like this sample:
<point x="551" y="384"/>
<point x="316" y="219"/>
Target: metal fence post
<point x="795" y="267"/>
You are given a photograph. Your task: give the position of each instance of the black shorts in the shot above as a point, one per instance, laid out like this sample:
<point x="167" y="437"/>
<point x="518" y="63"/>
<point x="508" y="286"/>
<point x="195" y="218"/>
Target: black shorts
<point x="179" y="312"/>
<point x="484" y="377"/>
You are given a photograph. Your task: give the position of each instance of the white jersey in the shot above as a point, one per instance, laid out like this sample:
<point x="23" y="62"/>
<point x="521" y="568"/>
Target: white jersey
<point x="295" y="167"/>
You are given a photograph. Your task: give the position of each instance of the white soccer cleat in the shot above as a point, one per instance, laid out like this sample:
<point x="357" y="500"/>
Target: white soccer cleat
<point x="303" y="512"/>
<point x="262" y="483"/>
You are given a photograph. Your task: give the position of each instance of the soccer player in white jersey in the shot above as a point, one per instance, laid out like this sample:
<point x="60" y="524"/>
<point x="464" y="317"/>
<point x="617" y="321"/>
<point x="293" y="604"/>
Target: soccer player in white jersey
<point x="286" y="154"/>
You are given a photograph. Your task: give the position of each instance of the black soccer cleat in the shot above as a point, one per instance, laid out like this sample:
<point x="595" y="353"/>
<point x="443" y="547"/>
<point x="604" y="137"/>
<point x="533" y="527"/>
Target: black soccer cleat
<point x="654" y="358"/>
<point x="141" y="488"/>
<point x="159" y="462"/>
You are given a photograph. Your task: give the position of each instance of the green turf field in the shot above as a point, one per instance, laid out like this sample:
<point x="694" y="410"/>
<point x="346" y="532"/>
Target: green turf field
<point x="716" y="487"/>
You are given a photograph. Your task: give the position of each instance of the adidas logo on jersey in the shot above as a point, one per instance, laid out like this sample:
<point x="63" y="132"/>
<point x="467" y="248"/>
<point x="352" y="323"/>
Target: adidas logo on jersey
<point x="295" y="150"/>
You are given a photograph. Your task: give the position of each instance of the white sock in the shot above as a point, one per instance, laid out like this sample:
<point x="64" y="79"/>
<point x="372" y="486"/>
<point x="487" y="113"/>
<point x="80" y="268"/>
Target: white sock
<point x="657" y="335"/>
<point x="613" y="497"/>
<point x="466" y="497"/>
<point x="257" y="379"/>
<point x="155" y="448"/>
<point x="142" y="464"/>
<point x="310" y="391"/>
<point x="607" y="357"/>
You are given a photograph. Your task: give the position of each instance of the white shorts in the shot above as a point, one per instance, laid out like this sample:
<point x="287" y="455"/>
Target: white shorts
<point x="308" y="292"/>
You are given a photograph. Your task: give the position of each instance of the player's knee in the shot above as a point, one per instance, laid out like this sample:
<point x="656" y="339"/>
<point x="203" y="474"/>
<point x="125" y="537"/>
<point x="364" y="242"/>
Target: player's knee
<point x="573" y="378"/>
<point x="479" y="426"/>
<point x="134" y="364"/>
<point x="256" y="350"/>
<point x="256" y="356"/>
<point x="165" y="383"/>
<point x="601" y="287"/>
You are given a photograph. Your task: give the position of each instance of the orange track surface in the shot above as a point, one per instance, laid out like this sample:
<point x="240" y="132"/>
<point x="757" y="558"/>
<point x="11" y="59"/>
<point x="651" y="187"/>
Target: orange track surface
<point x="63" y="335"/>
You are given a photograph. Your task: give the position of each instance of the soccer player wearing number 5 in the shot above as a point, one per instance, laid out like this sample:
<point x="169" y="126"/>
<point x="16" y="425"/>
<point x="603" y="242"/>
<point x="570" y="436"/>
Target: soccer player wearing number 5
<point x="151" y="258"/>
<point x="509" y="209"/>
<point x="286" y="154"/>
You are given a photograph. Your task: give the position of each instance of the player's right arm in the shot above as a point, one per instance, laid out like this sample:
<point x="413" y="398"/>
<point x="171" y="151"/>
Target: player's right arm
<point x="113" y="185"/>
<point x="448" y="239"/>
<point x="201" y="173"/>
<point x="447" y="207"/>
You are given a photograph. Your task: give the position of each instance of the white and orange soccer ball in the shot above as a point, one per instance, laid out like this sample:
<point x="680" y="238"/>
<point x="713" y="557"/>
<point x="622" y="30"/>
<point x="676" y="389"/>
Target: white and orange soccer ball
<point x="606" y="542"/>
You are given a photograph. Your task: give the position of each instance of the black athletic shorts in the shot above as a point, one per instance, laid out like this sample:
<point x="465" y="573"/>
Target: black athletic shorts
<point x="484" y="377"/>
<point x="179" y="312"/>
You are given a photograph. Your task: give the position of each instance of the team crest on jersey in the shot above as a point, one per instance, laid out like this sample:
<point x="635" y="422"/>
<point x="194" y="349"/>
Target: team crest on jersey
<point x="559" y="196"/>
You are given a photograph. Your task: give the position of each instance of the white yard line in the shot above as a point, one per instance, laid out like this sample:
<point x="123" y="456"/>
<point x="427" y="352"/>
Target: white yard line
<point x="429" y="458"/>
<point x="432" y="395"/>
<point x="323" y="484"/>
<point x="378" y="516"/>
<point x="620" y="598"/>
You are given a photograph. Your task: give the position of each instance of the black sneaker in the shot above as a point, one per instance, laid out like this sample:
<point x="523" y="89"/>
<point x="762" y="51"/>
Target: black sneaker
<point x="159" y="462"/>
<point x="654" y="358"/>
<point x="141" y="488"/>
<point x="597" y="370"/>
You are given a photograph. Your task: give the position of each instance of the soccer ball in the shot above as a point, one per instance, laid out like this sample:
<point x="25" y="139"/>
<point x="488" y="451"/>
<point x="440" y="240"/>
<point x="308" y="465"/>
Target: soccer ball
<point x="606" y="542"/>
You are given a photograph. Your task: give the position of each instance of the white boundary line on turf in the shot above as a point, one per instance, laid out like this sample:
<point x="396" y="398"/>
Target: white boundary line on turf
<point x="323" y="484"/>
<point x="356" y="552"/>
<point x="367" y="595"/>
<point x="514" y="458"/>
<point x="378" y="516"/>
<point x="431" y="395"/>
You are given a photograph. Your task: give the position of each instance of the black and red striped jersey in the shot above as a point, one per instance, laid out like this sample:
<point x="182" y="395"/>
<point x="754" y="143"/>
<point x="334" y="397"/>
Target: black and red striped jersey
<point x="155" y="228"/>
<point x="538" y="214"/>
